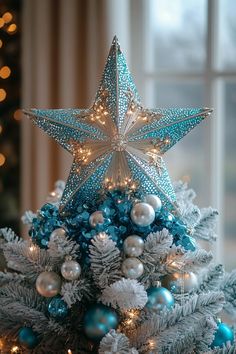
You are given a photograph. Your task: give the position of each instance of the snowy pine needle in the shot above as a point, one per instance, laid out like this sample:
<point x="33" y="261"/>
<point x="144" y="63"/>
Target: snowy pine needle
<point x="115" y="343"/>
<point x="105" y="260"/>
<point x="125" y="294"/>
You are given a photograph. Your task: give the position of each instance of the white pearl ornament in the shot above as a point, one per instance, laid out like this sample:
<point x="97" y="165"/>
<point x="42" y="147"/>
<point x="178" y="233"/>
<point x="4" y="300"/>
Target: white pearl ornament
<point x="133" y="246"/>
<point x="96" y="218"/>
<point x="48" y="284"/>
<point x="132" y="268"/>
<point x="57" y="234"/>
<point x="154" y="201"/>
<point x="142" y="214"/>
<point x="70" y="270"/>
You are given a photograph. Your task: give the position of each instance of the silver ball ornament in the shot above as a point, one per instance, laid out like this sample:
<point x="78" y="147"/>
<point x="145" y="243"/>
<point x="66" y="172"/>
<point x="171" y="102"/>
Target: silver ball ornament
<point x="70" y="270"/>
<point x="132" y="268"/>
<point x="174" y="281"/>
<point x="154" y="201"/>
<point x="96" y="218"/>
<point x="142" y="214"/>
<point x="48" y="284"/>
<point x="133" y="246"/>
<point x="58" y="233"/>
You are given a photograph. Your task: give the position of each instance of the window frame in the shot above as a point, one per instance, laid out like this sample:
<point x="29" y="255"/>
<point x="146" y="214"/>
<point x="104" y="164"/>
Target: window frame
<point x="213" y="79"/>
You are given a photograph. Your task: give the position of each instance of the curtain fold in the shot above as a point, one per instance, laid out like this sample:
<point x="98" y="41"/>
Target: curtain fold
<point x="64" y="46"/>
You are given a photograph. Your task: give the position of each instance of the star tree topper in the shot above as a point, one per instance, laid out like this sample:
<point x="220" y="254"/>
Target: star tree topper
<point x="117" y="141"/>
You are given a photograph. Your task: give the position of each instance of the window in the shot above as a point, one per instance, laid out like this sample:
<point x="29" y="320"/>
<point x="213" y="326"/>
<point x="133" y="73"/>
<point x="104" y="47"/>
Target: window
<point x="189" y="60"/>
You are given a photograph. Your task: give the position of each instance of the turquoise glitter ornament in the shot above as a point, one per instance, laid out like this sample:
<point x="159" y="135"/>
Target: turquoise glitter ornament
<point x="99" y="320"/>
<point x="223" y="335"/>
<point x="159" y="298"/>
<point x="57" y="308"/>
<point x="28" y="338"/>
<point x="117" y="140"/>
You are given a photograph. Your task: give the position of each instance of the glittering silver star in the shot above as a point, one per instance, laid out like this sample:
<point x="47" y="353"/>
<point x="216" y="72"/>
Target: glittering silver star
<point x="117" y="141"/>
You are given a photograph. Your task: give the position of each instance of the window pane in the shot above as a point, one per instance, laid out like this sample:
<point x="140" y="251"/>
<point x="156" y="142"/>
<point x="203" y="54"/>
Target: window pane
<point x="227" y="34"/>
<point x="176" y="33"/>
<point x="230" y="175"/>
<point x="188" y="159"/>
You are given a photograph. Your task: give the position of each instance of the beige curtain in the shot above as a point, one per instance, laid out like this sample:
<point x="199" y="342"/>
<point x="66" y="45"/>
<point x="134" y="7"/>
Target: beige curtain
<point x="65" y="44"/>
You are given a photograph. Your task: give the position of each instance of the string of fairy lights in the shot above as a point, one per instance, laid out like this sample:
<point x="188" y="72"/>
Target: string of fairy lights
<point x="10" y="114"/>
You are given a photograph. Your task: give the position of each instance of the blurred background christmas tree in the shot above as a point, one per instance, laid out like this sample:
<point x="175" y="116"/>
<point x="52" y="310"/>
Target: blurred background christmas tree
<point x="10" y="77"/>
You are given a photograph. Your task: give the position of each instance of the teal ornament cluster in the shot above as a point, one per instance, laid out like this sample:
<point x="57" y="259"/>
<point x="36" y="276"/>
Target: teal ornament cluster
<point x="223" y="335"/>
<point x="159" y="298"/>
<point x="57" y="308"/>
<point x="47" y="220"/>
<point x="98" y="321"/>
<point x="28" y="338"/>
<point x="115" y="209"/>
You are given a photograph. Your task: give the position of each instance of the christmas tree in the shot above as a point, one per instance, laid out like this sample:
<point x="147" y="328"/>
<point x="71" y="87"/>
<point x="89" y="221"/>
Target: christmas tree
<point x="112" y="264"/>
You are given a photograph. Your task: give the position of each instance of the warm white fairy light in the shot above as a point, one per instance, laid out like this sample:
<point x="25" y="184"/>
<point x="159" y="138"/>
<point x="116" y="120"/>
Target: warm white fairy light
<point x="152" y="343"/>
<point x="102" y="236"/>
<point x="69" y="351"/>
<point x="33" y="248"/>
<point x="15" y="349"/>
<point x="1" y="345"/>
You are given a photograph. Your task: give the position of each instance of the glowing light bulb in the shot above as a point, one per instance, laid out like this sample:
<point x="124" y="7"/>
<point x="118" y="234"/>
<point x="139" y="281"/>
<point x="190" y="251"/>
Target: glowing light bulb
<point x="102" y="235"/>
<point x="15" y="349"/>
<point x="2" y="22"/>
<point x="69" y="351"/>
<point x="152" y="343"/>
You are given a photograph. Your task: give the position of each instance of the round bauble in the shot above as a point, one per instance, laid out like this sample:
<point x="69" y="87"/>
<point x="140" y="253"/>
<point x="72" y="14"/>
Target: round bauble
<point x="57" y="234"/>
<point x="159" y="298"/>
<point x="48" y="284"/>
<point x="142" y="214"/>
<point x="96" y="218"/>
<point x="154" y="201"/>
<point x="57" y="308"/>
<point x="28" y="338"/>
<point x="70" y="270"/>
<point x="132" y="268"/>
<point x="223" y="335"/>
<point x="173" y="282"/>
<point x="99" y="320"/>
<point x="133" y="246"/>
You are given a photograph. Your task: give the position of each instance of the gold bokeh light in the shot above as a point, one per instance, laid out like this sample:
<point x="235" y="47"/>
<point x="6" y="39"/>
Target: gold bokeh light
<point x="12" y="28"/>
<point x="3" y="94"/>
<point x="2" y="22"/>
<point x="2" y="159"/>
<point x="17" y="114"/>
<point x="7" y="17"/>
<point x="5" y="72"/>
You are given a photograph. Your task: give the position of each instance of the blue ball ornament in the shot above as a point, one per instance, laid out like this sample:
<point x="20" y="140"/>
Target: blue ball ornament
<point x="223" y="335"/>
<point x="98" y="321"/>
<point x="57" y="308"/>
<point x="28" y="338"/>
<point x="159" y="298"/>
